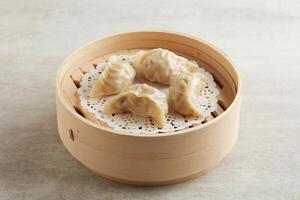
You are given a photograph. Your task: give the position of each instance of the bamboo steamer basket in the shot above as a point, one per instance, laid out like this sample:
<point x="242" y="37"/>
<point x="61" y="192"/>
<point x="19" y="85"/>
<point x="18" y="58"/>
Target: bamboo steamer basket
<point x="148" y="160"/>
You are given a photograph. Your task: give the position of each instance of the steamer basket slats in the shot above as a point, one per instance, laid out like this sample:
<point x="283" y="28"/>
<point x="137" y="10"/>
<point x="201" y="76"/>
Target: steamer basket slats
<point x="107" y="56"/>
<point x="140" y="159"/>
<point x="86" y="68"/>
<point x="94" y="62"/>
<point x="76" y="77"/>
<point x="122" y="52"/>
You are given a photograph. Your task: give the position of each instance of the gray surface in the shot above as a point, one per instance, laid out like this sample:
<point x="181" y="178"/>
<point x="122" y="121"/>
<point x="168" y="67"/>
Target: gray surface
<point x="262" y="37"/>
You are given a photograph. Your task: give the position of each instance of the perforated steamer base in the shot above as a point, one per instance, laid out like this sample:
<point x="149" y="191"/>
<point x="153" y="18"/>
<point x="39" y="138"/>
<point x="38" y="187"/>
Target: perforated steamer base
<point x="76" y="76"/>
<point x="131" y="123"/>
<point x="148" y="160"/>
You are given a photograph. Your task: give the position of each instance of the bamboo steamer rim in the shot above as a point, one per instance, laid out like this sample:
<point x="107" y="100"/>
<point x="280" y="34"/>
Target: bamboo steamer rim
<point x="123" y="133"/>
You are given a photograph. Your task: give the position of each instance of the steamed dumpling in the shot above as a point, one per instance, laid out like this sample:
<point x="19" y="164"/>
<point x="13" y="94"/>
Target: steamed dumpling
<point x="142" y="100"/>
<point x="158" y="65"/>
<point x="116" y="76"/>
<point x="183" y="91"/>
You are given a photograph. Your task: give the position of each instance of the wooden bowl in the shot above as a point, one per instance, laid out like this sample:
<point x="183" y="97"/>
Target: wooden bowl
<point x="148" y="160"/>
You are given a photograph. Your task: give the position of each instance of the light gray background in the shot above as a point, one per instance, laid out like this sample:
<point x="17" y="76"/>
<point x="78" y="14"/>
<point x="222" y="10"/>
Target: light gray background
<point x="262" y="38"/>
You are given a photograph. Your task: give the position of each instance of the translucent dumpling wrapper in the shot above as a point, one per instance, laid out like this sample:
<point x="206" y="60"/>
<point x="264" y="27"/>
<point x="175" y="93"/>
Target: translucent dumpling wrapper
<point x="142" y="100"/>
<point x="158" y="65"/>
<point x="183" y="90"/>
<point x="116" y="76"/>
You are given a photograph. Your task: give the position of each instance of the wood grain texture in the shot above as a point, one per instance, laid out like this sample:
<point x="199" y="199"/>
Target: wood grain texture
<point x="131" y="158"/>
<point x="262" y="37"/>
